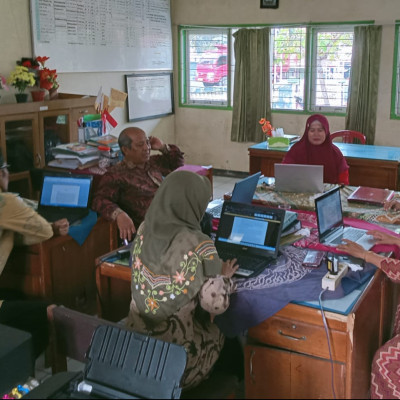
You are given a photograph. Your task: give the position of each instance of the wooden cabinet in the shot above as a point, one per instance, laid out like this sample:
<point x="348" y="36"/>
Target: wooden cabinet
<point x="29" y="130"/>
<point x="288" y="356"/>
<point x="59" y="270"/>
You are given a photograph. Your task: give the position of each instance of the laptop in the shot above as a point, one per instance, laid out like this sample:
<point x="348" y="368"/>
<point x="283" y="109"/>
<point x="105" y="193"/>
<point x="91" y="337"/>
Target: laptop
<point x="251" y="233"/>
<point x="65" y="195"/>
<point x="299" y="178"/>
<point x="243" y="192"/>
<point x="331" y="228"/>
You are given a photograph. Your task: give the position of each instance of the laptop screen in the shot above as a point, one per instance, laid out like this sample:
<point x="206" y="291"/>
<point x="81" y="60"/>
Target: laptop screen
<point x="65" y="191"/>
<point x="299" y="178"/>
<point x="244" y="189"/>
<point x="329" y="212"/>
<point x="255" y="229"/>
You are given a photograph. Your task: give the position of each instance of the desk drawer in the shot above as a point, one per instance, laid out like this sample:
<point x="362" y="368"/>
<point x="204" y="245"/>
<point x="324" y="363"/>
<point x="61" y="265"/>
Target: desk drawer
<point x="301" y="337"/>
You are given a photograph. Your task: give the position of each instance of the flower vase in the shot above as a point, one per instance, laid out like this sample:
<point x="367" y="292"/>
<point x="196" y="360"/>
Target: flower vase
<point x="38" y="95"/>
<point x="53" y="94"/>
<point x="21" y="97"/>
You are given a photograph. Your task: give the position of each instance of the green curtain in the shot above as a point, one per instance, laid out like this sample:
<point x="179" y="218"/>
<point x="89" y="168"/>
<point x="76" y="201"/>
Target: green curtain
<point x="251" y="96"/>
<point x="364" y="80"/>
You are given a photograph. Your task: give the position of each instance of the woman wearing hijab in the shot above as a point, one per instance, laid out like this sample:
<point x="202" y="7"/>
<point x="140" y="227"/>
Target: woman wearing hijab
<point x="316" y="148"/>
<point x="178" y="281"/>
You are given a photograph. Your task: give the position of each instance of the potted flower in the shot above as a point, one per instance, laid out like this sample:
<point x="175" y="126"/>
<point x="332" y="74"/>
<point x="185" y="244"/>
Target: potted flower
<point x="3" y="83"/>
<point x="47" y="77"/>
<point x="21" y="78"/>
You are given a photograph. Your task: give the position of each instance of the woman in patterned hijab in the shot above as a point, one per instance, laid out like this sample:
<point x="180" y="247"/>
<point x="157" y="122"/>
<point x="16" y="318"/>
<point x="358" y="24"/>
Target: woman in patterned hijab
<point x="178" y="281"/>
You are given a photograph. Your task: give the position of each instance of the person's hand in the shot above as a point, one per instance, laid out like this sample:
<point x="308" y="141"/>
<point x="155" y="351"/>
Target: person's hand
<point x="60" y="227"/>
<point x="392" y="205"/>
<point x="229" y="267"/>
<point x="155" y="143"/>
<point x="126" y="226"/>
<point x="383" y="237"/>
<point x="352" y="248"/>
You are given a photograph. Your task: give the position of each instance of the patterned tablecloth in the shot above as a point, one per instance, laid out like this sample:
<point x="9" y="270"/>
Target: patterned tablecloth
<point x="266" y="194"/>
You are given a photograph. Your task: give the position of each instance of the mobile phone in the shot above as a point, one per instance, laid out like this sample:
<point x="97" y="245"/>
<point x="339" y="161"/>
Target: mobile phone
<point x="313" y="258"/>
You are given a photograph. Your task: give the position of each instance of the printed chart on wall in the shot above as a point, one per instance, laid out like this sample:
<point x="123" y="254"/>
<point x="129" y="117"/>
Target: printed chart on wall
<point x="107" y="35"/>
<point x="149" y="95"/>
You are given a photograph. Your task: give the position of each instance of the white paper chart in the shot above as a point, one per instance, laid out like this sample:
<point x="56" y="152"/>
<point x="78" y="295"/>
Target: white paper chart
<point x="103" y="35"/>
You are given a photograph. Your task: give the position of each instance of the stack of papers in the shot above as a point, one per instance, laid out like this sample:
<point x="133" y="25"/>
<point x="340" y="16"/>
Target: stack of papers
<point x="74" y="155"/>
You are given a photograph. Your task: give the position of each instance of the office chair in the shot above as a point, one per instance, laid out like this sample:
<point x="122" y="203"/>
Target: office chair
<point x="70" y="336"/>
<point x="349" y="136"/>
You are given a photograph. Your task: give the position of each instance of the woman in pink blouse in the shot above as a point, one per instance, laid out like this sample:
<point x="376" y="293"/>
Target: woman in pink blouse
<point x="385" y="373"/>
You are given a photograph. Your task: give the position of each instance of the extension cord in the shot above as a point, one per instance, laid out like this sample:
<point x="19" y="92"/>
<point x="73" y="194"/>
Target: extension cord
<point x="330" y="281"/>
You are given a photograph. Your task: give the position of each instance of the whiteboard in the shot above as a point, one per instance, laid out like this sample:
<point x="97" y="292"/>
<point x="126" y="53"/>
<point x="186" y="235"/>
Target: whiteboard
<point x="103" y="35"/>
<point x="149" y="95"/>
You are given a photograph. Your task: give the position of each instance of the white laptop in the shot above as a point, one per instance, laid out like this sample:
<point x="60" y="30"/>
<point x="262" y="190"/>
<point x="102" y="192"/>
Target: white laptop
<point x="243" y="192"/>
<point x="331" y="228"/>
<point x="299" y="178"/>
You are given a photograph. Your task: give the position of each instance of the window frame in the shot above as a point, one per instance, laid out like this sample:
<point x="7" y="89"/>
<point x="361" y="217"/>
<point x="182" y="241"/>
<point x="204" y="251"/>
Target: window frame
<point x="310" y="54"/>
<point x="395" y="103"/>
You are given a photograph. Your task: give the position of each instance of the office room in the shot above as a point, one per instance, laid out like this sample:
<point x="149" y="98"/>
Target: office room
<point x="210" y="129"/>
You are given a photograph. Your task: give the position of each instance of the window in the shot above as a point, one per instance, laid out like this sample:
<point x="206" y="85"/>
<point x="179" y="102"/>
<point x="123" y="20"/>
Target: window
<point x="396" y="75"/>
<point x="310" y="67"/>
<point x="330" y="68"/>
<point x="204" y="67"/>
<point x="288" y="55"/>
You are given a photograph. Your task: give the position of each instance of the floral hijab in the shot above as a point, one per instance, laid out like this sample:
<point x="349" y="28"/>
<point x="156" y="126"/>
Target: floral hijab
<point x="326" y="154"/>
<point x="171" y="257"/>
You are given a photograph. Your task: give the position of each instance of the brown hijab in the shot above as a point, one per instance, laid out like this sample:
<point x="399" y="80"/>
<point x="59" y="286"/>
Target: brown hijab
<point x="171" y="257"/>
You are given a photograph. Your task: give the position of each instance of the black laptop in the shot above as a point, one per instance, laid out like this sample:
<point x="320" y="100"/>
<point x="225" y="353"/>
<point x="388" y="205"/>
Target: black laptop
<point x="251" y="233"/>
<point x="65" y="195"/>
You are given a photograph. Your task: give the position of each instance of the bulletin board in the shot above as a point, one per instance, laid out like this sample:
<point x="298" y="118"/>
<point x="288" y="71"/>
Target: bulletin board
<point x="107" y="35"/>
<point x="149" y="95"/>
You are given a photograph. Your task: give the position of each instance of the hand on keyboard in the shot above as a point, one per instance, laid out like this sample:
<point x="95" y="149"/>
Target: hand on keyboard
<point x="229" y="267"/>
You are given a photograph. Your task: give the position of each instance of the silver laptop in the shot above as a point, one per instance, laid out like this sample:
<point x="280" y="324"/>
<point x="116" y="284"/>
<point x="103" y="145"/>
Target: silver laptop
<point x="299" y="178"/>
<point x="243" y="192"/>
<point x="331" y="228"/>
<point x="251" y="234"/>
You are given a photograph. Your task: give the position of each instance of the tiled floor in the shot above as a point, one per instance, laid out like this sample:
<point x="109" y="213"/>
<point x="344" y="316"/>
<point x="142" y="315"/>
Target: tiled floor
<point x="221" y="185"/>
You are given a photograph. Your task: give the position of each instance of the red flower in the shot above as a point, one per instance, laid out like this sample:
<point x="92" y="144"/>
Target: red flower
<point x="47" y="77"/>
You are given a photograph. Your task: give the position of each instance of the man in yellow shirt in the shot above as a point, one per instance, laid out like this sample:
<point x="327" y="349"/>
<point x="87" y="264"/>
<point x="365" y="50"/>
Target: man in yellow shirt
<point x="21" y="224"/>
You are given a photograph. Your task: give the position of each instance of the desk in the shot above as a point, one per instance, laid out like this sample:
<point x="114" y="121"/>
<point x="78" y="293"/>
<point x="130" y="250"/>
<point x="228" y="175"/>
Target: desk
<point x="59" y="270"/>
<point x="375" y="166"/>
<point x="287" y="356"/>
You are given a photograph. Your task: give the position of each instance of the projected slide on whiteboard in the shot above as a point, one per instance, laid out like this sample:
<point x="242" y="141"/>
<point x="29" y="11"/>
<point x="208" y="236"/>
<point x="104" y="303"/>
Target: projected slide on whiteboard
<point x="149" y="95"/>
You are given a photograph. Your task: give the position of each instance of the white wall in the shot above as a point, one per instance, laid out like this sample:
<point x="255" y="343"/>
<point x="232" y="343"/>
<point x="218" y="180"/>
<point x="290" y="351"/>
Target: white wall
<point x="204" y="135"/>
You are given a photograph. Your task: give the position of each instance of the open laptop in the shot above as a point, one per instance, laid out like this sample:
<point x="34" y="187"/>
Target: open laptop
<point x="299" y="178"/>
<point x="331" y="228"/>
<point x="65" y="195"/>
<point x="251" y="233"/>
<point x="243" y="192"/>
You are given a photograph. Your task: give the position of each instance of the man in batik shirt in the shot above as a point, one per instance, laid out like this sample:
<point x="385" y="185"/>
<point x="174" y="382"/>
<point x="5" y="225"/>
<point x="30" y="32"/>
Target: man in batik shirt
<point x="127" y="188"/>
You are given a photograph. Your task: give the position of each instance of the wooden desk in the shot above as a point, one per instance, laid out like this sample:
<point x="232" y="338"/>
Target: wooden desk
<point x="59" y="270"/>
<point x="113" y="290"/>
<point x="375" y="166"/>
<point x="287" y="355"/>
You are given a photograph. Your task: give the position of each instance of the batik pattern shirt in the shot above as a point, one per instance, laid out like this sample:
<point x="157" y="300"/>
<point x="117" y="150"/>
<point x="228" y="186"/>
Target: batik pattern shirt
<point x="129" y="188"/>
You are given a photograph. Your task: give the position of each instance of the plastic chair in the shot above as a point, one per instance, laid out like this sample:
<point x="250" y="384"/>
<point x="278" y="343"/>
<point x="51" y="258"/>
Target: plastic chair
<point x="349" y="136"/>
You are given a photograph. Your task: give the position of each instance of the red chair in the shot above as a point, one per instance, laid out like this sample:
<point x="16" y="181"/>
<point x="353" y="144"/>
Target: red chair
<point x="349" y="136"/>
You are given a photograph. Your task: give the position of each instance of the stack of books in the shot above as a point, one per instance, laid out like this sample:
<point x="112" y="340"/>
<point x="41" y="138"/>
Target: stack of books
<point x="106" y="141"/>
<point x="74" y="156"/>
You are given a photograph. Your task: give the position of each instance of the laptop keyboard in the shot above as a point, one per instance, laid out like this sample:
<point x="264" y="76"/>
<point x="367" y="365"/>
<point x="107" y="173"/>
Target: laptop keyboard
<point x="216" y="211"/>
<point x="248" y="265"/>
<point x="351" y="234"/>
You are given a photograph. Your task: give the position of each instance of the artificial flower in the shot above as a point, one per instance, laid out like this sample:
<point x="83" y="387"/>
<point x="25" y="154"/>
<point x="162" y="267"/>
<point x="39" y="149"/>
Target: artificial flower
<point x="21" y="78"/>
<point x="3" y="83"/>
<point x="266" y="126"/>
<point x="47" y="77"/>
